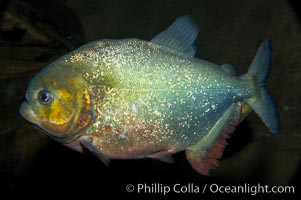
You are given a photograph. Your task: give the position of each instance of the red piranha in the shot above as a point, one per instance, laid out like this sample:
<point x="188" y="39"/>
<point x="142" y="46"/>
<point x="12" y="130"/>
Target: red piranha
<point x="130" y="98"/>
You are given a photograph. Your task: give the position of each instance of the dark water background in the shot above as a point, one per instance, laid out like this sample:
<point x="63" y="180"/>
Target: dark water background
<point x="34" y="33"/>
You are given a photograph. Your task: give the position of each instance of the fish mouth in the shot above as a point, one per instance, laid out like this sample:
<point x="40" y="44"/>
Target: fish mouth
<point x="27" y="113"/>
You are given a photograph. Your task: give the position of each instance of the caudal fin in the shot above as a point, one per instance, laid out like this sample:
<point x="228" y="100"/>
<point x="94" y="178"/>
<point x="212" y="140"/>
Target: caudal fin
<point x="262" y="103"/>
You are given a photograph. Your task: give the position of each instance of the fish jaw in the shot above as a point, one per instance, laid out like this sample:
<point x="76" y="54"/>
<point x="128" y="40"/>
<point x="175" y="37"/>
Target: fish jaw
<point x="28" y="114"/>
<point x="50" y="129"/>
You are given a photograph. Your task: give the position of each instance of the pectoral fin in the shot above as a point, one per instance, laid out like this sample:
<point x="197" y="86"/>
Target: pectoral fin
<point x="87" y="142"/>
<point x="204" y="155"/>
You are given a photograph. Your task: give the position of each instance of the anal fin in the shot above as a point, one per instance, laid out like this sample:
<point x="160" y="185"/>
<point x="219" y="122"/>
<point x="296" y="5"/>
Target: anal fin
<point x="204" y="155"/>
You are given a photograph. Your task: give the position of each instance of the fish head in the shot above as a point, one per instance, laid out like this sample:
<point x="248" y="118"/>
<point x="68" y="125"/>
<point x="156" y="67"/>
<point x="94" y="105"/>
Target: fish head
<point x="58" y="102"/>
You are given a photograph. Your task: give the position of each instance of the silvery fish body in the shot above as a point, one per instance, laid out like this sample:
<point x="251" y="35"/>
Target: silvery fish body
<point x="138" y="98"/>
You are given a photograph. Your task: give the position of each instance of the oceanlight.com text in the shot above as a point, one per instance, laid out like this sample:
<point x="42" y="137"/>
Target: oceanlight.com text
<point x="192" y="188"/>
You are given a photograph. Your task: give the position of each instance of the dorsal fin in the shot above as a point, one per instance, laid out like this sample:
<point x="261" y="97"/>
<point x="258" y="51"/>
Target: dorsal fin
<point x="180" y="35"/>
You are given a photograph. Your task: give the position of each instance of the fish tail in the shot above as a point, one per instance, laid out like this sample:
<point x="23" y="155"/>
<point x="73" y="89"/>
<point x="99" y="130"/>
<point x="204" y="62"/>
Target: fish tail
<point x="262" y="102"/>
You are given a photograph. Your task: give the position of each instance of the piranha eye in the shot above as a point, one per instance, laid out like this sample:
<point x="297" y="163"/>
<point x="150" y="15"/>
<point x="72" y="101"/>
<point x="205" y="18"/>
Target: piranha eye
<point x="45" y="96"/>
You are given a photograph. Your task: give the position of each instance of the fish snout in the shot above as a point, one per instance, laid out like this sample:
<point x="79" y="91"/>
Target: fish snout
<point x="27" y="112"/>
